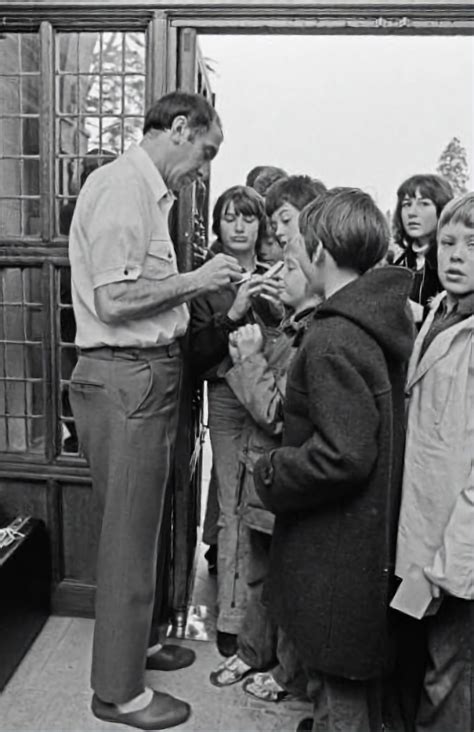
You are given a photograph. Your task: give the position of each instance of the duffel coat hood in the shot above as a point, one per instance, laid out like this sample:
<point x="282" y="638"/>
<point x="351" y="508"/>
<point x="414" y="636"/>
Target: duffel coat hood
<point x="335" y="484"/>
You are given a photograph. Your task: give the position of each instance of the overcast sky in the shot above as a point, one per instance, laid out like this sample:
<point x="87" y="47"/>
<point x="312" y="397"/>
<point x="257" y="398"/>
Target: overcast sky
<point x="351" y="110"/>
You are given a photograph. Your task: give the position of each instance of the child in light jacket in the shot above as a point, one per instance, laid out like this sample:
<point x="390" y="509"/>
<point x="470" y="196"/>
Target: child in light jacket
<point x="436" y="528"/>
<point x="258" y="379"/>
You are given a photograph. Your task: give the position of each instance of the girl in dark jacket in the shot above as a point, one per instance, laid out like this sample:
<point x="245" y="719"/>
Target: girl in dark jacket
<point x="420" y="200"/>
<point x="239" y="223"/>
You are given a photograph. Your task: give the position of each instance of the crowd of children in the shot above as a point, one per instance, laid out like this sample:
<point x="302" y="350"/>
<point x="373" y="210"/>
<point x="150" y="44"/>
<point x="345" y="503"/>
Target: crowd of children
<point x="343" y="450"/>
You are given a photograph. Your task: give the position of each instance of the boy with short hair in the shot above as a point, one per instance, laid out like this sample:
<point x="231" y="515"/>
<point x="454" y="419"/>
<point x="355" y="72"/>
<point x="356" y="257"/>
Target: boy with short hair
<point x="334" y="484"/>
<point x="263" y="176"/>
<point x="285" y="199"/>
<point x="436" y="531"/>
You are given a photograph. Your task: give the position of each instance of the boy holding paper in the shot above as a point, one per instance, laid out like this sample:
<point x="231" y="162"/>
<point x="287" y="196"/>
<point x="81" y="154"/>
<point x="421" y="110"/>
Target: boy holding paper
<point x="334" y="485"/>
<point x="436" y="529"/>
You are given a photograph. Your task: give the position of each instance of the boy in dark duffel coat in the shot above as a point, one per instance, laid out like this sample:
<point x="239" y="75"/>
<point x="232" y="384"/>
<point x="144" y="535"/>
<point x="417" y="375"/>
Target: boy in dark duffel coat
<point x="335" y="484"/>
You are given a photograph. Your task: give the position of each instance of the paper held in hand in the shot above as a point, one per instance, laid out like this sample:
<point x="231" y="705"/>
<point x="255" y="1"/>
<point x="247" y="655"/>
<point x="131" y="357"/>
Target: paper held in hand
<point x="413" y="597"/>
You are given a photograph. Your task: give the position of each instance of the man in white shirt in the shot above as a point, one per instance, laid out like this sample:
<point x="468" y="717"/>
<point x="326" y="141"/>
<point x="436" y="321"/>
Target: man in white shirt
<point x="130" y="308"/>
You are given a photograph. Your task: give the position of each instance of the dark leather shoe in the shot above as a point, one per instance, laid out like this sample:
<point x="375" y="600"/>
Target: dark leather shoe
<point x="226" y="643"/>
<point x="162" y="712"/>
<point x="306" y="725"/>
<point x="170" y="658"/>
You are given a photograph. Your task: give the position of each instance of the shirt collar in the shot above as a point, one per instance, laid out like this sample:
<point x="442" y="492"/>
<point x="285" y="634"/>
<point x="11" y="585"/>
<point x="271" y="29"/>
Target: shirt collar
<point x="142" y="161"/>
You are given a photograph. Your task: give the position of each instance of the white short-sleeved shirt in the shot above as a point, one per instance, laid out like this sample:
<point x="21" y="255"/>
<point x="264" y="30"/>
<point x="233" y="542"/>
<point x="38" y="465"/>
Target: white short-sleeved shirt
<point x="119" y="232"/>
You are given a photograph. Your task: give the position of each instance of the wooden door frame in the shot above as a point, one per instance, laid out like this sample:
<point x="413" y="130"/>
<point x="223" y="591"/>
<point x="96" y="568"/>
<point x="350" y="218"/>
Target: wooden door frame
<point x="420" y="17"/>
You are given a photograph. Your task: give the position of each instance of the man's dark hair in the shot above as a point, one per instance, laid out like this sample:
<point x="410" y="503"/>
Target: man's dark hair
<point x="434" y="187"/>
<point x="298" y="190"/>
<point x="349" y="226"/>
<point x="199" y="113"/>
<point x="246" y="201"/>
<point x="270" y="171"/>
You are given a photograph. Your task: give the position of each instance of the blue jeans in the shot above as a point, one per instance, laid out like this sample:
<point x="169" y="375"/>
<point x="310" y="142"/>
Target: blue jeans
<point x="226" y="420"/>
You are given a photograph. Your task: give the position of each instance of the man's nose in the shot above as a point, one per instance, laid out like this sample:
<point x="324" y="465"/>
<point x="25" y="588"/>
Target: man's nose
<point x="204" y="170"/>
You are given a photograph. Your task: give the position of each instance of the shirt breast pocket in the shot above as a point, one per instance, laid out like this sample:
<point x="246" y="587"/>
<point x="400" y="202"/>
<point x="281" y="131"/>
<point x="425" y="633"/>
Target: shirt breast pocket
<point x="160" y="260"/>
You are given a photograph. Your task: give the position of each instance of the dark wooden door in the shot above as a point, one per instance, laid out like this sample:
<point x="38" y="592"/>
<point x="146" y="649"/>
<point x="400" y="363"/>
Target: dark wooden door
<point x="191" y="228"/>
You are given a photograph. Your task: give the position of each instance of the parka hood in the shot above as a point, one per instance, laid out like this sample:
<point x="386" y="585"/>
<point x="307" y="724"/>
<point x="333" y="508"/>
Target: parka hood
<point x="378" y="302"/>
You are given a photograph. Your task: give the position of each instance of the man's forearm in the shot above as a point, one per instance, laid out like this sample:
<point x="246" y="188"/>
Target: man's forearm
<point x="144" y="298"/>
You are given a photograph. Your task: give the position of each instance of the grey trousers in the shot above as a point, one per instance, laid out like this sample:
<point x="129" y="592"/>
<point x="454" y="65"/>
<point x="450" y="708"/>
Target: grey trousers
<point x="226" y="420"/>
<point x="125" y="403"/>
<point x="257" y="641"/>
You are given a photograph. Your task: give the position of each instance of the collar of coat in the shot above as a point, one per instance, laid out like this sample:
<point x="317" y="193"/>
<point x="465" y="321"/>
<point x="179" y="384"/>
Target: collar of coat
<point x="439" y="347"/>
<point x="464" y="306"/>
<point x="296" y="325"/>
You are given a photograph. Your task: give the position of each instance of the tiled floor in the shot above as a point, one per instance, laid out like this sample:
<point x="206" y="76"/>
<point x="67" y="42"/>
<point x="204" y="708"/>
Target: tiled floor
<point x="50" y="690"/>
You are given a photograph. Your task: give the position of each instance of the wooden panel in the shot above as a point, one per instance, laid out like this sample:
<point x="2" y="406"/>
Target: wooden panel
<point x="172" y="64"/>
<point x="24" y="498"/>
<point x="74" y="599"/>
<point x="233" y="16"/>
<point x="187" y="75"/>
<point x="381" y="25"/>
<point x="157" y="58"/>
<point x="80" y="532"/>
<point x="271" y="6"/>
<point x="47" y="130"/>
<point x="39" y="500"/>
<point x="72" y="525"/>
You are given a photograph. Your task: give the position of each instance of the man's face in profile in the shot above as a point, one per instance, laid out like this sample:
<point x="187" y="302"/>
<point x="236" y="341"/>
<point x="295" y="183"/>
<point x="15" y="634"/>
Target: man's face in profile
<point x="193" y="156"/>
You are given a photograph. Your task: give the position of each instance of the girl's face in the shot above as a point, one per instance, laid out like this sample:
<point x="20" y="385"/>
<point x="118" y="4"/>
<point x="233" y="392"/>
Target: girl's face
<point x="285" y="223"/>
<point x="270" y="250"/>
<point x="239" y="232"/>
<point x="295" y="284"/>
<point x="419" y="217"/>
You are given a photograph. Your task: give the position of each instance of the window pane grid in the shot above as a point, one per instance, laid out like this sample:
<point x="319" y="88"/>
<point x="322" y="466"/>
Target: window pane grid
<point x="100" y="94"/>
<point x="21" y="352"/>
<point x="67" y="358"/>
<point x="20" y="132"/>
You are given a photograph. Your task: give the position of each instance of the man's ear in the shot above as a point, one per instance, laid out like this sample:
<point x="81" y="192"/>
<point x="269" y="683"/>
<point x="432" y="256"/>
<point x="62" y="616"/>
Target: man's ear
<point x="179" y="132"/>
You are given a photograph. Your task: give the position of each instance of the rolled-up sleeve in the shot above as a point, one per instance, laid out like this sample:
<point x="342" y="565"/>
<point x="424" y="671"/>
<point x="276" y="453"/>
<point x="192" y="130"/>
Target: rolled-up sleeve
<point x="118" y="234"/>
